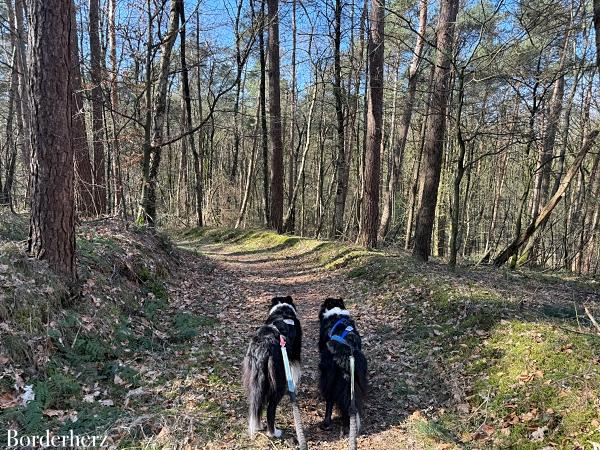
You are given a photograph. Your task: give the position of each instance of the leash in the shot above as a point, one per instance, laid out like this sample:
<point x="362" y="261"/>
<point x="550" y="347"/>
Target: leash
<point x="293" y="398"/>
<point x="353" y="431"/>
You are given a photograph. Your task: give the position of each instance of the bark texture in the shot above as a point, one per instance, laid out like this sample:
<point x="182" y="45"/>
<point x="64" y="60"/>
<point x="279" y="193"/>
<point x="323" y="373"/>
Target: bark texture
<point x="276" y="213"/>
<point x="398" y="155"/>
<point x="83" y="166"/>
<point x="52" y="226"/>
<point x="152" y="156"/>
<point x="97" y="119"/>
<point x="429" y="177"/>
<point x="369" y="212"/>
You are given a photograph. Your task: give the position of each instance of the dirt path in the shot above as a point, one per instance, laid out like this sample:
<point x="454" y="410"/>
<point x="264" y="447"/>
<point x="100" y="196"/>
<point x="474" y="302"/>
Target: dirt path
<point x="239" y="286"/>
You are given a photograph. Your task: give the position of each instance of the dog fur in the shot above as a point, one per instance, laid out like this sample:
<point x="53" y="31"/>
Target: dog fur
<point x="264" y="377"/>
<point x="335" y="364"/>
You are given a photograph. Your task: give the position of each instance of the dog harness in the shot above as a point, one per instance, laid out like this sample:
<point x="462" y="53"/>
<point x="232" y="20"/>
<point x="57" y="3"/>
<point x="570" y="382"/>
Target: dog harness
<point x="341" y="338"/>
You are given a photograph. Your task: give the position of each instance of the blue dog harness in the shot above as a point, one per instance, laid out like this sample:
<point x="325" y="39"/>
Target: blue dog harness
<point x="341" y="338"/>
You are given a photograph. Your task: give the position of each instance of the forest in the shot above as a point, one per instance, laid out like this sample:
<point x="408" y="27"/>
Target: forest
<point x="167" y="165"/>
<point x="465" y="131"/>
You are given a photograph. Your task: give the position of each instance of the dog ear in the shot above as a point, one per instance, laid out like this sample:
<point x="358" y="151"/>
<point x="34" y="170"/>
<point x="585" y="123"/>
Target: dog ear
<point x="324" y="307"/>
<point x="275" y="301"/>
<point x="321" y="312"/>
<point x="289" y="299"/>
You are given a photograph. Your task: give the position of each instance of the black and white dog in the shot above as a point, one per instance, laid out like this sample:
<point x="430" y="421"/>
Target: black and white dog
<point x="339" y="339"/>
<point x="263" y="370"/>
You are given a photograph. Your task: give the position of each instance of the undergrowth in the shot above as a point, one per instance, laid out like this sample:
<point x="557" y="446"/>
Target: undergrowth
<point x="70" y="360"/>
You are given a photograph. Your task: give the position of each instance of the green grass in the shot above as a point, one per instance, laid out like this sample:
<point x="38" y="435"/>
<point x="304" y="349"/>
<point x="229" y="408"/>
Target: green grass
<point x="329" y="255"/>
<point x="240" y="241"/>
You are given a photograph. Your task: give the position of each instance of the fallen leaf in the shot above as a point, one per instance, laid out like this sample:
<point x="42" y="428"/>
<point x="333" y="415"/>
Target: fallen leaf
<point x="8" y="401"/>
<point x="529" y="416"/>
<point x="444" y="446"/>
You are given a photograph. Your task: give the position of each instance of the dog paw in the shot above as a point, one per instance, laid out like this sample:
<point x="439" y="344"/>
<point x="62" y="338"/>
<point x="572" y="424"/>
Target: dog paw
<point x="276" y="434"/>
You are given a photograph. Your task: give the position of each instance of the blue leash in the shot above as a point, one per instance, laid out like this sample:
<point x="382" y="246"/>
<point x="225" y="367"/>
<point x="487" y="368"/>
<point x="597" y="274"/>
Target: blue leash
<point x="292" y="390"/>
<point x="288" y="369"/>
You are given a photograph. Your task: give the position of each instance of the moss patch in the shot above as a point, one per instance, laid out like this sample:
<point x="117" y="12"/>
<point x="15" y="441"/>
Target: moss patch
<point x="541" y="385"/>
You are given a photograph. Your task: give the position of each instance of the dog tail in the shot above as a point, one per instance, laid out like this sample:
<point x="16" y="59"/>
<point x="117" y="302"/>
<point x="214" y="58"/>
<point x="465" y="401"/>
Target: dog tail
<point x="360" y="376"/>
<point x="341" y="356"/>
<point x="271" y="372"/>
<point x="256" y="386"/>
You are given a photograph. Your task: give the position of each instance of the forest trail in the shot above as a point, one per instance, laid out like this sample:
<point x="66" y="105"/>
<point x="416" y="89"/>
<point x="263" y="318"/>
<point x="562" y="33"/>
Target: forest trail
<point x="241" y="284"/>
<point x="471" y="358"/>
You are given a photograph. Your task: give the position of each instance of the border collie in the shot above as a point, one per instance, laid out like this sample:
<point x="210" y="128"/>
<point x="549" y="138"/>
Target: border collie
<point x="338" y="340"/>
<point x="264" y="377"/>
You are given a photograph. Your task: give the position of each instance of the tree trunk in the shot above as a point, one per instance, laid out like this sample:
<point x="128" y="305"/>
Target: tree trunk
<point x="460" y="171"/>
<point x="99" y="190"/>
<point x="187" y="110"/>
<point x="119" y="196"/>
<point x="14" y="111"/>
<point x="596" y="7"/>
<point x="84" y="180"/>
<point x="436" y="123"/>
<point x="340" y="169"/>
<point x="414" y="189"/>
<point x="151" y="163"/>
<point x="52" y="226"/>
<point x="369" y="213"/>
<point x="290" y="224"/>
<point x="541" y="218"/>
<point x="592" y="231"/>
<point x="276" y="213"/>
<point x="398" y="155"/>
<point x="546" y="153"/>
<point x="198" y="153"/>
<point x="11" y="148"/>
<point x="263" y="118"/>
<point x="22" y="63"/>
<point x="250" y="174"/>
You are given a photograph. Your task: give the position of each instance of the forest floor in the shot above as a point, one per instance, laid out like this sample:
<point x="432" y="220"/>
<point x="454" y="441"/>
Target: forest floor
<point x="150" y="353"/>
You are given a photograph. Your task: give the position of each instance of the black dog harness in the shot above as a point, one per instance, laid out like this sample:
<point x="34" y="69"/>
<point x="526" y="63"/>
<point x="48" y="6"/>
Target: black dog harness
<point x="341" y="338"/>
